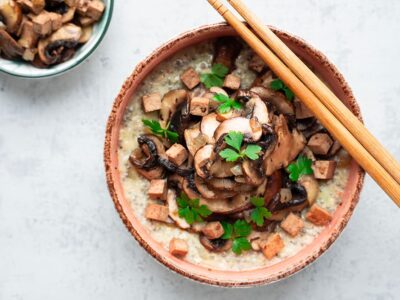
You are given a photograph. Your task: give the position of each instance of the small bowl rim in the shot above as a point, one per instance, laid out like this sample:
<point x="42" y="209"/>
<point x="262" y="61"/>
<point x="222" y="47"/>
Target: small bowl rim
<point x="90" y="51"/>
<point x="210" y="276"/>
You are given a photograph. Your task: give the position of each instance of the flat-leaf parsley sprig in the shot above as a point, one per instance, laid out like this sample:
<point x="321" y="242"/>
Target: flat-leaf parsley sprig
<point x="216" y="77"/>
<point x="302" y="166"/>
<point x="235" y="140"/>
<point x="238" y="232"/>
<point x="227" y="104"/>
<point x="191" y="210"/>
<point x="259" y="213"/>
<point x="279" y="85"/>
<point x="156" y="128"/>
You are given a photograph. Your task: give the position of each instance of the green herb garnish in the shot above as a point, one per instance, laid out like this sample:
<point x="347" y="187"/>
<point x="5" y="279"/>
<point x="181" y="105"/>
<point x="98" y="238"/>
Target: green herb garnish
<point x="191" y="210"/>
<point x="239" y="232"/>
<point x="235" y="140"/>
<point x="216" y="77"/>
<point x="302" y="166"/>
<point x="260" y="213"/>
<point x="279" y="85"/>
<point x="158" y="130"/>
<point x="227" y="103"/>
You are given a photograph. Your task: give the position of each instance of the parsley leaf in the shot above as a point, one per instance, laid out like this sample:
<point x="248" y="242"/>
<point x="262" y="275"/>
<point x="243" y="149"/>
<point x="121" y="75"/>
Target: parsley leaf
<point x="158" y="130"/>
<point x="238" y="232"/>
<point x="227" y="103"/>
<point x="240" y="244"/>
<point x="302" y="166"/>
<point x="191" y="210"/>
<point x="216" y="77"/>
<point x="279" y="85"/>
<point x="235" y="140"/>
<point x="259" y="213"/>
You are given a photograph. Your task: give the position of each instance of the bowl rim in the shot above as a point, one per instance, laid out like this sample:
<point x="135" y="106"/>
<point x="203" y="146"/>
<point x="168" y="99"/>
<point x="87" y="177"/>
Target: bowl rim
<point x="90" y="51"/>
<point x="180" y="266"/>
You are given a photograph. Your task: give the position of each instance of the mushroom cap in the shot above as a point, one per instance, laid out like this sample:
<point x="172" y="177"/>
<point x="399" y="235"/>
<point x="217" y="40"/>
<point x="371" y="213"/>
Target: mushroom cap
<point x="250" y="128"/>
<point x="174" y="211"/>
<point x="203" y="159"/>
<point x="311" y="185"/>
<point x="170" y="103"/>
<point x="8" y="46"/>
<point x="216" y="245"/>
<point x="209" y="124"/>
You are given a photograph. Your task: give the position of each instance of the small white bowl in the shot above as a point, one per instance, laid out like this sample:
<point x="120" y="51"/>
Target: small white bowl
<point x="26" y="70"/>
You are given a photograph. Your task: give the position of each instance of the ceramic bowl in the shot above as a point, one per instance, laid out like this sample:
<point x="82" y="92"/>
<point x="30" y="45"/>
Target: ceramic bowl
<point x="26" y="70"/>
<point x="263" y="275"/>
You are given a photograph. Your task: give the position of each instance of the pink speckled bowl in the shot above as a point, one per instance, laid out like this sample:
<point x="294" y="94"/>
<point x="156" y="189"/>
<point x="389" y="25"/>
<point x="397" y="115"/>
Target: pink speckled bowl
<point x="263" y="275"/>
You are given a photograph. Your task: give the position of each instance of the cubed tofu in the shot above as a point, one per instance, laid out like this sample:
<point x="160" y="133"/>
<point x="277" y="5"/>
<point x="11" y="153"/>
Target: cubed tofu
<point x="318" y="215"/>
<point x="35" y="6"/>
<point x="232" y="82"/>
<point x="151" y="102"/>
<point x="190" y="78"/>
<point x="194" y="140"/>
<point x="42" y="23"/>
<point x="292" y="224"/>
<point x="56" y="21"/>
<point x="158" y="189"/>
<point x="29" y="37"/>
<point x="95" y="9"/>
<point x="177" y="154"/>
<point x="320" y="143"/>
<point x="257" y="64"/>
<point x="213" y="230"/>
<point x="178" y="247"/>
<point x="157" y="212"/>
<point x="199" y="106"/>
<point x="272" y="246"/>
<point x="82" y="6"/>
<point x="324" y="169"/>
<point x="302" y="112"/>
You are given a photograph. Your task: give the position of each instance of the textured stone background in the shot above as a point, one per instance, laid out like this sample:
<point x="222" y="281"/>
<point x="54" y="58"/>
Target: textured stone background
<point x="60" y="237"/>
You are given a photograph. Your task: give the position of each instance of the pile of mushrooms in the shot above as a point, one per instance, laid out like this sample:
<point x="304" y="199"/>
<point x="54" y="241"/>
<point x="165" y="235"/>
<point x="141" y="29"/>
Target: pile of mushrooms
<point x="46" y="32"/>
<point x="267" y="119"/>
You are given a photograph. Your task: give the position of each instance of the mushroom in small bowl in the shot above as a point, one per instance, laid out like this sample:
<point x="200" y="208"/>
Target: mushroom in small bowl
<point x="40" y="38"/>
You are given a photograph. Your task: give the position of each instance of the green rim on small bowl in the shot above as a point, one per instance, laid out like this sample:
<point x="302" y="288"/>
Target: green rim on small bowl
<point x="25" y="70"/>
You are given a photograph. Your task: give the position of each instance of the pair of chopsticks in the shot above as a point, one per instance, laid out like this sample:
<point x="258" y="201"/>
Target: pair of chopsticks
<point x="319" y="99"/>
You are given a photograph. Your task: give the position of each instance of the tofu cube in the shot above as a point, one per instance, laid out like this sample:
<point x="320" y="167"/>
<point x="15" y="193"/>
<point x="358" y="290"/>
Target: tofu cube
<point x="318" y="215"/>
<point x="257" y="64"/>
<point x="232" y="82"/>
<point x="157" y="212"/>
<point x="151" y="102"/>
<point x="42" y="23"/>
<point x="199" y="106"/>
<point x="56" y="21"/>
<point x="213" y="230"/>
<point x="302" y="112"/>
<point x="324" y="169"/>
<point x="177" y="154"/>
<point x="158" y="189"/>
<point x="272" y="246"/>
<point x="190" y="78"/>
<point x="320" y="143"/>
<point x="292" y="224"/>
<point x="82" y="6"/>
<point x="178" y="247"/>
<point x="95" y="9"/>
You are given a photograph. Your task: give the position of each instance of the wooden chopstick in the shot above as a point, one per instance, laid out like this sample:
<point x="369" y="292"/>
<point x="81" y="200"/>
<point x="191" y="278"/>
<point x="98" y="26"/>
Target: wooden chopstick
<point x="335" y="127"/>
<point x="326" y="96"/>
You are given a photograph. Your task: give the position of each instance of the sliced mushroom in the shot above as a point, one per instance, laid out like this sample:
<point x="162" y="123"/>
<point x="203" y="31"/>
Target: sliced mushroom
<point x="11" y="15"/>
<point x="173" y="210"/>
<point x="311" y="186"/>
<point x="170" y="103"/>
<point x="175" y="181"/>
<point x="217" y="245"/>
<point x="227" y="49"/>
<point x="29" y="37"/>
<point x="8" y="46"/>
<point x="274" y="184"/>
<point x="53" y="49"/>
<point x="238" y="203"/>
<point x="221" y="169"/>
<point x="233" y="113"/>
<point x="86" y="34"/>
<point x="253" y="173"/>
<point x="218" y="90"/>
<point x="277" y="99"/>
<point x="194" y="140"/>
<point x="264" y="80"/>
<point x="209" y="193"/>
<point x="180" y="120"/>
<point x="146" y="156"/>
<point x="203" y="159"/>
<point x="256" y="108"/>
<point x="189" y="187"/>
<point x="288" y="146"/>
<point x="208" y="125"/>
<point x="251" y="128"/>
<point x="68" y="15"/>
<point x="157" y="172"/>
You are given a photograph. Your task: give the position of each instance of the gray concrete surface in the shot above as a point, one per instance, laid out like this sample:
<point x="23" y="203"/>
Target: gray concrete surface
<point x="60" y="237"/>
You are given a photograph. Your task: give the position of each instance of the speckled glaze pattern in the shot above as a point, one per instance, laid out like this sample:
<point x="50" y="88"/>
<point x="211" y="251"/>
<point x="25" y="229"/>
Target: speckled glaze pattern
<point x="266" y="275"/>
